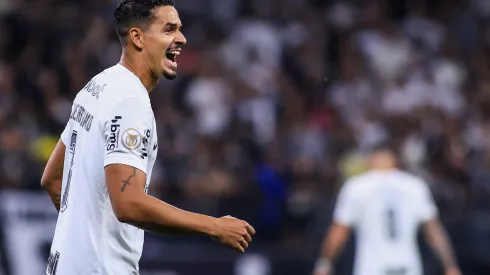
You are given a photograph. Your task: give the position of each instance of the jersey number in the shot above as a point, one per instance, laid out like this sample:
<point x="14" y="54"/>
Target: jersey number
<point x="391" y="222"/>
<point x="73" y="143"/>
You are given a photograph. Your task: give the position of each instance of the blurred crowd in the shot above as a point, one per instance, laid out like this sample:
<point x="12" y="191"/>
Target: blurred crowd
<point x="276" y="102"/>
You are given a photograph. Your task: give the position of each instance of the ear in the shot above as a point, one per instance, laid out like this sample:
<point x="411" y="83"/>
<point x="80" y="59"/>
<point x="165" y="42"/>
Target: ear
<point x="136" y="37"/>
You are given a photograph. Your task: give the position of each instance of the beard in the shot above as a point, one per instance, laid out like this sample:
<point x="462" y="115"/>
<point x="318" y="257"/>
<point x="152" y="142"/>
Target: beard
<point x="169" y="74"/>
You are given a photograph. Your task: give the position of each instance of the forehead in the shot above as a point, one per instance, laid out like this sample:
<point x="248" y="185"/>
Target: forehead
<point x="167" y="14"/>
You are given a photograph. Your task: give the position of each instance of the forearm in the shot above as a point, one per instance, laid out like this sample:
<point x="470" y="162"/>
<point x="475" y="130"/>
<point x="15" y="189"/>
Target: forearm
<point x="442" y="248"/>
<point x="334" y="242"/>
<point x="439" y="242"/>
<point x="157" y="216"/>
<point x="330" y="249"/>
<point x="53" y="189"/>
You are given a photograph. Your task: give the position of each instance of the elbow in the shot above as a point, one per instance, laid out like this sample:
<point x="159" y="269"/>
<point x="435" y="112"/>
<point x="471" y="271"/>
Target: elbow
<point x="126" y="213"/>
<point x="124" y="217"/>
<point x="45" y="183"/>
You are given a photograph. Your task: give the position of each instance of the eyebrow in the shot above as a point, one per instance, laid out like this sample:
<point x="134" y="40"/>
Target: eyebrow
<point x="173" y="25"/>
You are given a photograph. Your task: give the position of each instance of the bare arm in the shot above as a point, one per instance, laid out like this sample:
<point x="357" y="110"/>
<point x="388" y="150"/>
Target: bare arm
<point x="131" y="205"/>
<point x="439" y="242"/>
<point x="124" y="164"/>
<point x="53" y="174"/>
<point x="333" y="244"/>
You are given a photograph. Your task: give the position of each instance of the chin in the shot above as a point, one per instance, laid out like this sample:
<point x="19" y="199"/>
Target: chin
<point x="169" y="74"/>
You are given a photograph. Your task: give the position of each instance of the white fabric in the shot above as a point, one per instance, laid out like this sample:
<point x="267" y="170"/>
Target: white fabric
<point x="385" y="209"/>
<point x="114" y="124"/>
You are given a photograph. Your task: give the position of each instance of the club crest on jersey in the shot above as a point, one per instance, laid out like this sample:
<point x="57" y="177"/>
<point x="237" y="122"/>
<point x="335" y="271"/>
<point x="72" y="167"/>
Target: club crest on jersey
<point x="131" y="139"/>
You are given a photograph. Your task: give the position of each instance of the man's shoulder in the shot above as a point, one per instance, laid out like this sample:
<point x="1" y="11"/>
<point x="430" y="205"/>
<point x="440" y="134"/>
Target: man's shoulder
<point x="411" y="183"/>
<point x="118" y="78"/>
<point x="373" y="176"/>
<point x="118" y="87"/>
<point x="368" y="176"/>
<point x="359" y="181"/>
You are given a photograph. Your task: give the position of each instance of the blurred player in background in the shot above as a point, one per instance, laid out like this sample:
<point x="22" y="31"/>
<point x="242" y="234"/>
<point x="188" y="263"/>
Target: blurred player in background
<point x="99" y="173"/>
<point x="386" y="207"/>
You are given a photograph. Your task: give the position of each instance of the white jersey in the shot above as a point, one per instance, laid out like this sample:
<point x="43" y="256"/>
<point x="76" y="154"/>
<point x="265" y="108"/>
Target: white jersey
<point x="111" y="122"/>
<point x="385" y="209"/>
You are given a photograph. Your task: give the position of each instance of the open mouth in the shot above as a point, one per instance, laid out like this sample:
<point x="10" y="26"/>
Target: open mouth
<point x="172" y="55"/>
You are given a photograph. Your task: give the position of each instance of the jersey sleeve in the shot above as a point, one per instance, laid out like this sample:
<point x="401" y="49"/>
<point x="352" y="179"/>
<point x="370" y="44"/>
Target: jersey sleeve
<point x="126" y="131"/>
<point x="428" y="209"/>
<point x="345" y="212"/>
<point x="65" y="135"/>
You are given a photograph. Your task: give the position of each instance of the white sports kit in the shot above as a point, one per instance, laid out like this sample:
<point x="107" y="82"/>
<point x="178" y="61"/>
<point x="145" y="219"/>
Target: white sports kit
<point x="385" y="209"/>
<point x="111" y="122"/>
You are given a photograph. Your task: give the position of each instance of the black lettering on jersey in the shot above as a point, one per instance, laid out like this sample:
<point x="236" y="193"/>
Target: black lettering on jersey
<point x="94" y="88"/>
<point x="73" y="141"/>
<point x="53" y="263"/>
<point x="86" y="121"/>
<point x="74" y="111"/>
<point x="155" y="146"/>
<point x="114" y="135"/>
<point x="81" y="111"/>
<point x="80" y="115"/>
<point x="64" y="199"/>
<point x="145" y="140"/>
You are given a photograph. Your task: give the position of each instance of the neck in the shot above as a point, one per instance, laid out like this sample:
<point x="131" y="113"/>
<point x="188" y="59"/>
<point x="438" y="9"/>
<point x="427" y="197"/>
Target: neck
<point x="384" y="168"/>
<point x="383" y="165"/>
<point x="141" y="70"/>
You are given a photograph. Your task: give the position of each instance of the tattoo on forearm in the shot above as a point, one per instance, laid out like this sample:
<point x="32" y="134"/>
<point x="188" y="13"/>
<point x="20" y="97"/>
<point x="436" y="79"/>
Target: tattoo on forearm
<point x="126" y="182"/>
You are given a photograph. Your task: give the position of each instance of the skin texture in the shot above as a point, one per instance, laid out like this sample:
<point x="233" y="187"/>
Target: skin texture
<point x="53" y="174"/>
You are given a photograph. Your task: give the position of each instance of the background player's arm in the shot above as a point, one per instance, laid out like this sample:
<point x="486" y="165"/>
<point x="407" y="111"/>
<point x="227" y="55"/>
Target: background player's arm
<point x="333" y="244"/>
<point x="344" y="217"/>
<point x="438" y="240"/>
<point x="435" y="233"/>
<point x="53" y="174"/>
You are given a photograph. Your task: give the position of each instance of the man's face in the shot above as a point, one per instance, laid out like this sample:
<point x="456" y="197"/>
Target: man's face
<point x="163" y="41"/>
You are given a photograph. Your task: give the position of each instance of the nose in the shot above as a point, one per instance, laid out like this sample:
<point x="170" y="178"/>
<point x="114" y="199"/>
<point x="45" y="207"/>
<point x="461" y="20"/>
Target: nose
<point x="180" y="39"/>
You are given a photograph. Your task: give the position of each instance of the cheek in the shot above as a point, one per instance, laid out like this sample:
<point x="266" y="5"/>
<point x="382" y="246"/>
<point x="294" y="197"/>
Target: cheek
<point x="157" y="46"/>
<point x="165" y="41"/>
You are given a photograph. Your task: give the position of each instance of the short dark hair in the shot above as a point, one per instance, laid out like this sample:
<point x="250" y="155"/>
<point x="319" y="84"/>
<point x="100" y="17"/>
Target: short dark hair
<point x="140" y="13"/>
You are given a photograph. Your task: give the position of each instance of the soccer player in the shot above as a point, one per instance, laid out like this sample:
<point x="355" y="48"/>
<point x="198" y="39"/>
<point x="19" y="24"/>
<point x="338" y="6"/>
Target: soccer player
<point x="385" y="207"/>
<point x="99" y="172"/>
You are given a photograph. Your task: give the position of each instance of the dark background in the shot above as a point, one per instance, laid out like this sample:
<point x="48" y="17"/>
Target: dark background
<point x="276" y="103"/>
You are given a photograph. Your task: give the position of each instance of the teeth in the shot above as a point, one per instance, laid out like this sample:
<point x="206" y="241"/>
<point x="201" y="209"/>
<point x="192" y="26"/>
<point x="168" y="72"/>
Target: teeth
<point x="174" y="52"/>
